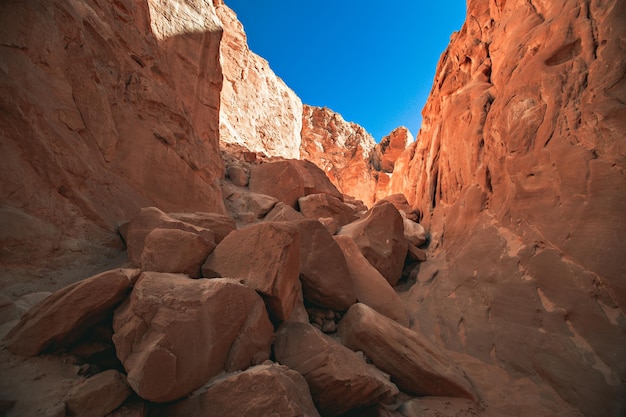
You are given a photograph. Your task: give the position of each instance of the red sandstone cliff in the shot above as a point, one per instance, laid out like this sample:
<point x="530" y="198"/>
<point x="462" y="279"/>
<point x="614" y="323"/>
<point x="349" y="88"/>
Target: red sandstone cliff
<point x="106" y="107"/>
<point x="519" y="169"/>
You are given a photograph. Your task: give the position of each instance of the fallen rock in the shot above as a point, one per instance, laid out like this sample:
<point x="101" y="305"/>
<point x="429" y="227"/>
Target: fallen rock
<point x="289" y="180"/>
<point x="64" y="316"/>
<point x="174" y="334"/>
<point x="244" y="205"/>
<point x="400" y="202"/>
<point x="237" y="175"/>
<point x="282" y="212"/>
<point x="413" y="232"/>
<point x="316" y="206"/>
<point x="260" y="391"/>
<point x="339" y="379"/>
<point x="150" y="218"/>
<point x="175" y="251"/>
<point x="414" y="364"/>
<point x="379" y="234"/>
<point x="416" y="254"/>
<point x="99" y="395"/>
<point x="330" y="223"/>
<point x="220" y="224"/>
<point x="370" y="286"/>
<point x="324" y="274"/>
<point x="264" y="256"/>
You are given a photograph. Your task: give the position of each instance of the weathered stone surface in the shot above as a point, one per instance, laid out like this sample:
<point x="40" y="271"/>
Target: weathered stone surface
<point x="370" y="286"/>
<point x="343" y="150"/>
<point x="521" y="151"/>
<point x="238" y="175"/>
<point x="249" y="207"/>
<point x="315" y="206"/>
<point x="414" y="364"/>
<point x="416" y="254"/>
<point x="176" y="251"/>
<point x="379" y="234"/>
<point x="330" y="223"/>
<point x="339" y="379"/>
<point x="173" y="334"/>
<point x="413" y="232"/>
<point x="260" y="391"/>
<point x="120" y="107"/>
<point x="325" y="277"/>
<point x="220" y="224"/>
<point x="391" y="147"/>
<point x="150" y="218"/>
<point x="400" y="202"/>
<point x="264" y="256"/>
<point x="288" y="180"/>
<point x="98" y="395"/>
<point x="257" y="109"/>
<point x="282" y="212"/>
<point x="64" y="316"/>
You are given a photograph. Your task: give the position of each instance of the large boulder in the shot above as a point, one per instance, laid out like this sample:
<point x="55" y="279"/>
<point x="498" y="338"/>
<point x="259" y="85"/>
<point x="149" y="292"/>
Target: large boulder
<point x="220" y="224"/>
<point x="325" y="277"/>
<point x="339" y="379"/>
<point x="288" y="180"/>
<point x="67" y="314"/>
<point x="98" y="395"/>
<point x="315" y="206"/>
<point x="260" y="391"/>
<point x="370" y="286"/>
<point x="415" y="365"/>
<point x="283" y="213"/>
<point x="379" y="235"/>
<point x="150" y="218"/>
<point x="176" y="251"/>
<point x="264" y="256"/>
<point x="174" y="334"/>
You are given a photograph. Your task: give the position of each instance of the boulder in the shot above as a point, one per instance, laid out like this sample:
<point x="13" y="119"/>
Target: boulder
<point x="176" y="251"/>
<point x="324" y="274"/>
<point x="415" y="365"/>
<point x="283" y="212"/>
<point x="330" y="223"/>
<point x="174" y="334"/>
<point x="264" y="256"/>
<point x="67" y="314"/>
<point x="416" y="254"/>
<point x="237" y="175"/>
<point x="220" y="224"/>
<point x="400" y="202"/>
<point x="260" y="391"/>
<point x="379" y="234"/>
<point x="150" y="218"/>
<point x="413" y="232"/>
<point x="99" y="395"/>
<point x="249" y="206"/>
<point x="288" y="180"/>
<point x="370" y="287"/>
<point x="339" y="379"/>
<point x="315" y="206"/>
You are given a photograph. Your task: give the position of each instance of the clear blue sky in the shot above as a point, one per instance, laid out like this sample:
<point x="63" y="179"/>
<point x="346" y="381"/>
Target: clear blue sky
<point x="372" y="62"/>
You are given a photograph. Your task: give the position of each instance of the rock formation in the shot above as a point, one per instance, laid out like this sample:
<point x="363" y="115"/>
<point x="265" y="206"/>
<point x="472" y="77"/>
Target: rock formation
<point x="519" y="171"/>
<point x="106" y="108"/>
<point x="258" y="110"/>
<point x="343" y="150"/>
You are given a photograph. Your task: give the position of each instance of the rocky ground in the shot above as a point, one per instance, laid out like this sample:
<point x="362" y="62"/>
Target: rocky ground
<point x="285" y="305"/>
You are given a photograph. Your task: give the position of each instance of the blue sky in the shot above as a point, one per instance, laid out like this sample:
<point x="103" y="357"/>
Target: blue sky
<point x="372" y="62"/>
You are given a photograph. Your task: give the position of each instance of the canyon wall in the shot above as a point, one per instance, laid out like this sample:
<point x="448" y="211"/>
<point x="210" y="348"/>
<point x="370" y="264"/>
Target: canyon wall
<point x="106" y="107"/>
<point x="258" y="110"/>
<point x="519" y="169"/>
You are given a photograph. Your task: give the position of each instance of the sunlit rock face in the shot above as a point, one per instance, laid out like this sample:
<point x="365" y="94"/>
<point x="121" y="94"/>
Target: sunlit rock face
<point x="519" y="170"/>
<point x="389" y="152"/>
<point x="258" y="110"/>
<point x="343" y="150"/>
<point x="106" y="107"/>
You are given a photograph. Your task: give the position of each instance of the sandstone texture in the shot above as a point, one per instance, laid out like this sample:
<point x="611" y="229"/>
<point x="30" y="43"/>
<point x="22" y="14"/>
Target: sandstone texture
<point x="259" y="391"/>
<point x="264" y="256"/>
<point x="98" y="395"/>
<point x="61" y="318"/>
<point x="379" y="234"/>
<point x="519" y="172"/>
<point x="339" y="379"/>
<point x="174" y="334"/>
<point x="220" y="224"/>
<point x="316" y="206"/>
<point x="414" y="364"/>
<point x="343" y="150"/>
<point x="257" y="109"/>
<point x="391" y="147"/>
<point x="106" y="108"/>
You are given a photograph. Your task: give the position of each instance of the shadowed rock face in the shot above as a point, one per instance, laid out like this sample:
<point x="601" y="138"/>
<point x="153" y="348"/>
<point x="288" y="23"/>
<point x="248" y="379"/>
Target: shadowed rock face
<point x="106" y="108"/>
<point x="519" y="171"/>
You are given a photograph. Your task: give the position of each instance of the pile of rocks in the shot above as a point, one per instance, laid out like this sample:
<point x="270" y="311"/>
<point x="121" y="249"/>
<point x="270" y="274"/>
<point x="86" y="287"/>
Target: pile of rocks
<point x="220" y="315"/>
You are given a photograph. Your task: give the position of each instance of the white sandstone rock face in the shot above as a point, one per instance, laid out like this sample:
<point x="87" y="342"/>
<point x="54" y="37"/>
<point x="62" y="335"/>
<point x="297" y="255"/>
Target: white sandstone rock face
<point x="258" y="110"/>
